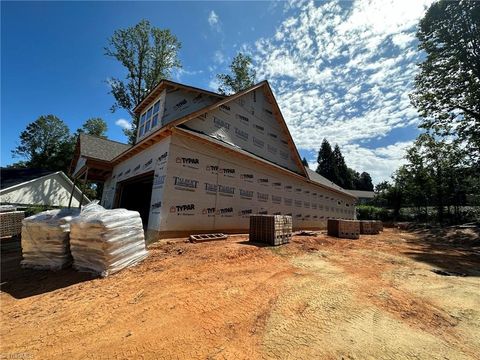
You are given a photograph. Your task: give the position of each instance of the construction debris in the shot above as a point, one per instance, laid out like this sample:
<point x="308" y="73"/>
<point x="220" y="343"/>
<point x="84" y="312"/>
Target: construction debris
<point x="45" y="239"/>
<point x="306" y="233"/>
<point x="270" y="229"/>
<point x="207" y="237"/>
<point x="106" y="241"/>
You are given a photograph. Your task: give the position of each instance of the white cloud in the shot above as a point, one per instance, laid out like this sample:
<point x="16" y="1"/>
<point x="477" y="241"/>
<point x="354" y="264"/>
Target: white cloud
<point x="124" y="124"/>
<point x="214" y="21"/>
<point x="218" y="57"/>
<point x="343" y="70"/>
<point x="213" y="84"/>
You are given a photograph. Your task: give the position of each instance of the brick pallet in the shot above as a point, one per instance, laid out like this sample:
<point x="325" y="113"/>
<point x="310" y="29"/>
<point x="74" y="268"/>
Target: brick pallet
<point x="379" y="225"/>
<point x="368" y="227"/>
<point x="11" y="223"/>
<point x="270" y="229"/>
<point x="347" y="229"/>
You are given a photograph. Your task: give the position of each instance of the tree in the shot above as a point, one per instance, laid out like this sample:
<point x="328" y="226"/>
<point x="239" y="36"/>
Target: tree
<point x="46" y="143"/>
<point x="342" y="175"/>
<point x="242" y="76"/>
<point x="305" y="162"/>
<point x="447" y="88"/>
<point x="149" y="54"/>
<point x="325" y="161"/>
<point x="365" y="182"/>
<point x="94" y="126"/>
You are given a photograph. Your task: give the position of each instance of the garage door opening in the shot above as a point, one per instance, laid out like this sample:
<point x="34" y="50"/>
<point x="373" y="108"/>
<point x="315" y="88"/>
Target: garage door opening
<point x="135" y="194"/>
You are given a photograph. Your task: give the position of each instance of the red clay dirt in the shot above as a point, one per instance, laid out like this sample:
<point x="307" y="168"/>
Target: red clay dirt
<point x="315" y="298"/>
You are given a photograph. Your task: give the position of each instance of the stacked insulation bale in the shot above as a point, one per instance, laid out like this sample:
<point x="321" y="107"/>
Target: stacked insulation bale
<point x="369" y="227"/>
<point x="270" y="229"/>
<point x="106" y="241"/>
<point x="45" y="239"/>
<point x="347" y="229"/>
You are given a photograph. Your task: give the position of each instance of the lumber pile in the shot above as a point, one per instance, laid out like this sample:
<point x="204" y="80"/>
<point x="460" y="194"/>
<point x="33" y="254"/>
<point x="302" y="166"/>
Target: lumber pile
<point x="10" y="222"/>
<point x="270" y="229"/>
<point x="106" y="241"/>
<point x="45" y="239"/>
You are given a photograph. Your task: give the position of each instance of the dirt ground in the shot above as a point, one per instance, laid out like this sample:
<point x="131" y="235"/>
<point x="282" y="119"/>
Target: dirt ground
<point x="315" y="298"/>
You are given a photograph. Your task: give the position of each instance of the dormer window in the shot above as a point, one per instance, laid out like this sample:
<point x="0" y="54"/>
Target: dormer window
<point x="151" y="118"/>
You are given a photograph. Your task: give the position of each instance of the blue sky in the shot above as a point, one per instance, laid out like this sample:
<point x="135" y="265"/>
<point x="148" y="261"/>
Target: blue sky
<point x="340" y="70"/>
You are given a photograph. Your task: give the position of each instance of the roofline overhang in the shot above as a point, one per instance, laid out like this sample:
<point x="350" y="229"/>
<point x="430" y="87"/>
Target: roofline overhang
<point x="155" y="92"/>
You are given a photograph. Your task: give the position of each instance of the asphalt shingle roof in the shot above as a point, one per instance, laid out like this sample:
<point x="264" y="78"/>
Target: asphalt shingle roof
<point x="101" y="149"/>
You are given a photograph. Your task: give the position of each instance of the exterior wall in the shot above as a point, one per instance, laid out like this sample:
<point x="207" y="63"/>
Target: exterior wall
<point x="51" y="190"/>
<point x="154" y="158"/>
<point x="175" y="104"/>
<point x="205" y="190"/>
<point x="248" y="122"/>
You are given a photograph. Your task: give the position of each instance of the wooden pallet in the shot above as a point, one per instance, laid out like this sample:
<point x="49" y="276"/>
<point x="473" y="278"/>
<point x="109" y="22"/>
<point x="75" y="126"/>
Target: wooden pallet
<point x="207" y="237"/>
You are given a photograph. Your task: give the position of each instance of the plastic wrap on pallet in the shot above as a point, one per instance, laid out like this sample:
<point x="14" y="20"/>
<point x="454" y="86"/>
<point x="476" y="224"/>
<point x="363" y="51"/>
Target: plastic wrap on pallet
<point x="45" y="239"/>
<point x="106" y="241"/>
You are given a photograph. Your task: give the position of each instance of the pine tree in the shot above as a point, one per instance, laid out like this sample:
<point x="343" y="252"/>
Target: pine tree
<point x="326" y="162"/>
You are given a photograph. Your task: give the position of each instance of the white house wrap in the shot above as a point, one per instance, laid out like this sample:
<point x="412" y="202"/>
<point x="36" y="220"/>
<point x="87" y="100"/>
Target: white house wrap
<point x="204" y="163"/>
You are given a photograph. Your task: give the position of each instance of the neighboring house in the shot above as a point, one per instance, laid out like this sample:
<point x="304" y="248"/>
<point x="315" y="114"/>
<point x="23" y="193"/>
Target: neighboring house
<point x="364" y="197"/>
<point x="37" y="187"/>
<point x="204" y="162"/>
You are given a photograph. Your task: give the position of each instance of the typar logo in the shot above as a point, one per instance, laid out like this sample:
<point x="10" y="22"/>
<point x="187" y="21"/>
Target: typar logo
<point x="180" y="105"/>
<point x="243" y="119"/>
<point x="263" y="181"/>
<point x="263" y="212"/>
<point x="197" y="98"/>
<point x="228" y="172"/>
<point x="288" y="188"/>
<point x="245" y="212"/>
<point x="225" y="108"/>
<point x="209" y="211"/>
<point x="276" y="199"/>
<point x="163" y="157"/>
<point x="185" y="184"/>
<point x="247" y="177"/>
<point x="298" y="203"/>
<point x="212" y="169"/>
<point x="183" y="210"/>
<point x="277" y="185"/>
<point x="147" y="164"/>
<point x="287" y="201"/>
<point x="136" y="168"/>
<point x="192" y="163"/>
<point x="225" y="212"/>
<point x="156" y="205"/>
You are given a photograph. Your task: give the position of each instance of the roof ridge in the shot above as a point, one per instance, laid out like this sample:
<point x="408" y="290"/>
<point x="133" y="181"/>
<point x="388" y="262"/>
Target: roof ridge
<point x="106" y="139"/>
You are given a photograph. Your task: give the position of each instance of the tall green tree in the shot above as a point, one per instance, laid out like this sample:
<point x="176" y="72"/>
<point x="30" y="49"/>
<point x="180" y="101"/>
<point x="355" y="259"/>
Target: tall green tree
<point x="342" y="175"/>
<point x="326" y="161"/>
<point x="447" y="88"/>
<point x="242" y="76"/>
<point x="94" y="126"/>
<point x="46" y="143"/>
<point x="365" y="182"/>
<point x="305" y="162"/>
<point x="149" y="54"/>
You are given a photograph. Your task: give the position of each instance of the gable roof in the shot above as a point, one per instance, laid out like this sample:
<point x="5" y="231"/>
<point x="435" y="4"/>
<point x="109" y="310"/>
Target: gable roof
<point x="263" y="84"/>
<point x="13" y="176"/>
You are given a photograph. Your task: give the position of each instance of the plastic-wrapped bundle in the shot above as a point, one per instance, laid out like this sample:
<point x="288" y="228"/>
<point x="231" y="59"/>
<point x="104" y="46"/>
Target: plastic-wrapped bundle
<point x="45" y="242"/>
<point x="106" y="241"/>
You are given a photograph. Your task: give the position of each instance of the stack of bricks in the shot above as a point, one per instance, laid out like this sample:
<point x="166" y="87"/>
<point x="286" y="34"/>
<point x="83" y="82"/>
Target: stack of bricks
<point x="379" y="225"/>
<point x="369" y="227"/>
<point x="347" y="229"/>
<point x="11" y="223"/>
<point x="270" y="229"/>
